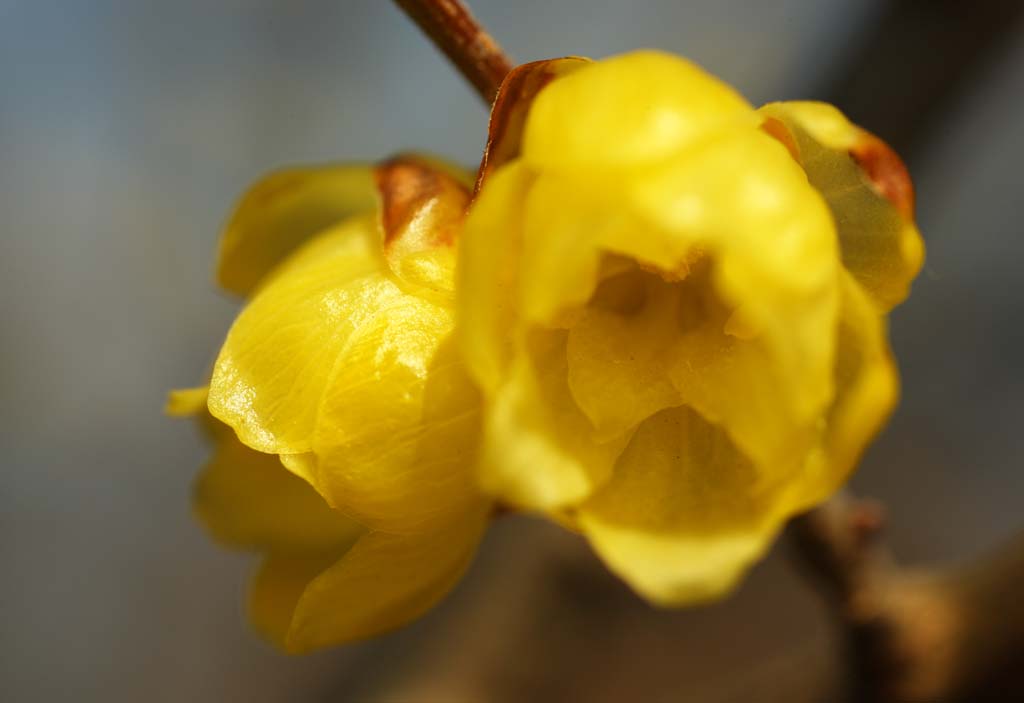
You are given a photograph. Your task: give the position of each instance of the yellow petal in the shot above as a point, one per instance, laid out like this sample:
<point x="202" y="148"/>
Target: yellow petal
<point x="274" y="365"/>
<point x="675" y="348"/>
<point x="487" y="274"/>
<point x="738" y="203"/>
<point x="627" y="109"/>
<point x="681" y="519"/>
<point x="622" y="349"/>
<point x="398" y="427"/>
<point x="381" y="583"/>
<point x="772" y="246"/>
<point x="512" y="104"/>
<point x="281" y="212"/>
<point x="686" y="512"/>
<point x="183" y="402"/>
<point x="277" y="587"/>
<point x="867" y="390"/>
<point x="880" y="243"/>
<point x="565" y="218"/>
<point x="248" y="499"/>
<point x="539" y="450"/>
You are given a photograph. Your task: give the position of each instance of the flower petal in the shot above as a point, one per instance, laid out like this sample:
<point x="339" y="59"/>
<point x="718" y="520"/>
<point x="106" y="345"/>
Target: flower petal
<point x="512" y="105"/>
<point x="867" y="390"/>
<point x="539" y="451"/>
<point x="280" y="352"/>
<point x="866" y="186"/>
<point x="563" y="223"/>
<point x="398" y="427"/>
<point x="183" y="402"/>
<point x="736" y="317"/>
<point x="487" y="275"/>
<point x="772" y="248"/>
<point x="284" y="210"/>
<point x="686" y="512"/>
<point x="682" y="517"/>
<point x="677" y="349"/>
<point x="250" y="500"/>
<point x="626" y="110"/>
<point x="277" y="587"/>
<point x="381" y="583"/>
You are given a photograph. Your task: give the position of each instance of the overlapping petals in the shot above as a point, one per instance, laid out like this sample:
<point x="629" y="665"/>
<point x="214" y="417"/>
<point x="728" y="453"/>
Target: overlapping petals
<point x="345" y="424"/>
<point x="675" y="314"/>
<point x="662" y="323"/>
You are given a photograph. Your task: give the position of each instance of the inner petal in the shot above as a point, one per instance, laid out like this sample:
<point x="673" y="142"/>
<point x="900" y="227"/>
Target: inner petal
<point x="643" y="344"/>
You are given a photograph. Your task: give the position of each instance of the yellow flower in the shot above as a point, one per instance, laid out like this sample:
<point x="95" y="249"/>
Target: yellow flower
<point x="342" y="368"/>
<point x="674" y="306"/>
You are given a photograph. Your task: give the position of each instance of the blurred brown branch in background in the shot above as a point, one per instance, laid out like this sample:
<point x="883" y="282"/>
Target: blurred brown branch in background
<point x="954" y="634"/>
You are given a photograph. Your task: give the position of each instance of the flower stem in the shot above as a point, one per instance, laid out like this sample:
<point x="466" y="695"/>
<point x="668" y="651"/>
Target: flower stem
<point x="455" y="31"/>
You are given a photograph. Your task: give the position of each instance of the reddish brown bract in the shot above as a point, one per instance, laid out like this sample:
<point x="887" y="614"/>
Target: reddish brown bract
<point x="411" y="187"/>
<point x="886" y="171"/>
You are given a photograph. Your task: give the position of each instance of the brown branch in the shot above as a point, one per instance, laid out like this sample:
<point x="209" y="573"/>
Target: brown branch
<point x="463" y="40"/>
<point x="954" y="634"/>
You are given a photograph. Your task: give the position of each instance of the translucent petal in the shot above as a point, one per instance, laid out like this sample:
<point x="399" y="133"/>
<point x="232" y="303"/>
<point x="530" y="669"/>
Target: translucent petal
<point x="686" y="512"/>
<point x="672" y="347"/>
<point x="302" y="465"/>
<point x="621" y="350"/>
<point x="381" y="583"/>
<point x="564" y="220"/>
<point x="867" y="390"/>
<point x="398" y="427"/>
<point x="867" y="189"/>
<point x="487" y="274"/>
<point x="356" y="241"/>
<point x="539" y="449"/>
<point x="736" y="198"/>
<point x="277" y="587"/>
<point x="743" y="202"/>
<point x="682" y="518"/>
<point x="627" y="109"/>
<point x="737" y="313"/>
<point x="248" y="499"/>
<point x="284" y="210"/>
<point x="280" y="352"/>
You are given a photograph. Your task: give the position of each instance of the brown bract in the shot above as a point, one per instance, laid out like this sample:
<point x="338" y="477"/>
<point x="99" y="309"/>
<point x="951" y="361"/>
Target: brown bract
<point x="886" y="171"/>
<point x="421" y="205"/>
<point x="508" y="116"/>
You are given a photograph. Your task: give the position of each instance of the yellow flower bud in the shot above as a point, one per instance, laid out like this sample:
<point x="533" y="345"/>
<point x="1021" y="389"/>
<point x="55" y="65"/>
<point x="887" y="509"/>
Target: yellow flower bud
<point x="674" y="305"/>
<point x="342" y="368"/>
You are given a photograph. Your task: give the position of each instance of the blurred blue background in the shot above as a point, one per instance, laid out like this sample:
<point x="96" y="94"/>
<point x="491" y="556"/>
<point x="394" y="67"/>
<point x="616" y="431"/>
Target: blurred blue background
<point x="127" y="129"/>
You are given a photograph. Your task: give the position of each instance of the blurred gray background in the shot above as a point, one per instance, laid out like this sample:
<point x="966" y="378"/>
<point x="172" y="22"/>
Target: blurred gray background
<point x="127" y="129"/>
